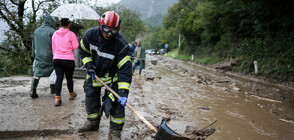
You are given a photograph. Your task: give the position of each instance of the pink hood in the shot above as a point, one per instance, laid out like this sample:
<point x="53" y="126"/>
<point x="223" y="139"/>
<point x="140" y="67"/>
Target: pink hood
<point x="64" y="42"/>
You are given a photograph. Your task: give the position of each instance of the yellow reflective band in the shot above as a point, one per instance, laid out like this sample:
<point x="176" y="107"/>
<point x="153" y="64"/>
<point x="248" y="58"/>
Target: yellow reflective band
<point x="93" y="116"/>
<point x="86" y="60"/>
<point x="83" y="47"/>
<point x="111" y="97"/>
<point x="117" y="120"/>
<point x="114" y="78"/>
<point x="96" y="83"/>
<point x="106" y="80"/>
<point x="123" y="61"/>
<point x="123" y="85"/>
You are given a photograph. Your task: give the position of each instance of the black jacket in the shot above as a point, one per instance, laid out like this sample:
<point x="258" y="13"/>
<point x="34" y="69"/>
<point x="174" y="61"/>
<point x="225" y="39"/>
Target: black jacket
<point x="110" y="58"/>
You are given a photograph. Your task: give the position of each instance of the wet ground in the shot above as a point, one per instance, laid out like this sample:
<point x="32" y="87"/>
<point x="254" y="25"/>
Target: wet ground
<point x="238" y="107"/>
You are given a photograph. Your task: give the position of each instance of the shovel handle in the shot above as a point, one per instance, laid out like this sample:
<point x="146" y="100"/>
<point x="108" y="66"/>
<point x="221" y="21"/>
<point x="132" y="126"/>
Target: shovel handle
<point x="128" y="105"/>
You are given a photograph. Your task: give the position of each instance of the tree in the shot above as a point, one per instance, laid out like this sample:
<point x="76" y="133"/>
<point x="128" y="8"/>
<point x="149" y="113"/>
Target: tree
<point x="22" y="18"/>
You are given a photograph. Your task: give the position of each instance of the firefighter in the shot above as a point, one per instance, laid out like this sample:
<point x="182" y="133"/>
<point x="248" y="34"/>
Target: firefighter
<point x="106" y="53"/>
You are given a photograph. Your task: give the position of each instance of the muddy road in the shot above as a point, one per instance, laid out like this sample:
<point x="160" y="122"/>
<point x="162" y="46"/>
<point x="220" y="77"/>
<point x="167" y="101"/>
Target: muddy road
<point x="238" y="107"/>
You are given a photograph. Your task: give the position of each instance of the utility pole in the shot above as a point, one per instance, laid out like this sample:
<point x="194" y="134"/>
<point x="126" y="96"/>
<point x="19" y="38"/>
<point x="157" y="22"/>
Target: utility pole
<point x="179" y="40"/>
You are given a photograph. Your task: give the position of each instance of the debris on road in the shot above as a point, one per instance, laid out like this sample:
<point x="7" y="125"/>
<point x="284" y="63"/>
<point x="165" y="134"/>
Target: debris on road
<point x="262" y="98"/>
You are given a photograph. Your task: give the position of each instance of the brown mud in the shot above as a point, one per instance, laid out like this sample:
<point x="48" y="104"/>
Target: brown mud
<point x="196" y="97"/>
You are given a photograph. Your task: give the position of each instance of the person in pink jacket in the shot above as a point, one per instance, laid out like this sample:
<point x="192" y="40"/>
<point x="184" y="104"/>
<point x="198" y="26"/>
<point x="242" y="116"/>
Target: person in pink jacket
<point x="64" y="42"/>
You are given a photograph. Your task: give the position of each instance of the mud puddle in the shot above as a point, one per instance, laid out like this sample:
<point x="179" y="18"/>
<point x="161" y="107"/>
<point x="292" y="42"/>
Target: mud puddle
<point x="244" y="108"/>
<point x="195" y="97"/>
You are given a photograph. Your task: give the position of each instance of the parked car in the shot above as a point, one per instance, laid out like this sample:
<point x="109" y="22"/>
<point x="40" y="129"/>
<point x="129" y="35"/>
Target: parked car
<point x="148" y="51"/>
<point x="153" y="51"/>
<point x="162" y="51"/>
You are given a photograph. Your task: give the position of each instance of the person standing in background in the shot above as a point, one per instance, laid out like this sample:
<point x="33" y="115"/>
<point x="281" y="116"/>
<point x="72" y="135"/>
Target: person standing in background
<point x="64" y="42"/>
<point x="132" y="47"/>
<point x="139" y="56"/>
<point x="42" y="53"/>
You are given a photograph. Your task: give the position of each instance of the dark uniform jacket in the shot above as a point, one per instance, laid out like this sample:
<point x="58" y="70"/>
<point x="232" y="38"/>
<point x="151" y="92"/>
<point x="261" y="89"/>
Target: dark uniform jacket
<point x="110" y="58"/>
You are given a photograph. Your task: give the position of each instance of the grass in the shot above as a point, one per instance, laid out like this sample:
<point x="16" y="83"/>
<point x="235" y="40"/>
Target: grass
<point x="267" y="67"/>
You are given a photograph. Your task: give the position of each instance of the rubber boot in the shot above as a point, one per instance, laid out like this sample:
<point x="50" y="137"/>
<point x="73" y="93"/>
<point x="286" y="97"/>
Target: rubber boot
<point x="114" y="135"/>
<point x="52" y="89"/>
<point x="33" y="92"/>
<point x="90" y="126"/>
<point x="72" y="95"/>
<point x="58" y="101"/>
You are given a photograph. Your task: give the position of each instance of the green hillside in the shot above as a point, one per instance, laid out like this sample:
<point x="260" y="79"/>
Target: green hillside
<point x="220" y="31"/>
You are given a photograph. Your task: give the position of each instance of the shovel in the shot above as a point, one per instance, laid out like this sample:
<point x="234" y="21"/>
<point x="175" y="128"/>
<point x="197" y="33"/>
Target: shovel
<point x="153" y="62"/>
<point x="162" y="133"/>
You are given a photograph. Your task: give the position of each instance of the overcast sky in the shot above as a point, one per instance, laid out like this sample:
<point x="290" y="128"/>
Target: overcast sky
<point x="103" y="2"/>
<point x="3" y="27"/>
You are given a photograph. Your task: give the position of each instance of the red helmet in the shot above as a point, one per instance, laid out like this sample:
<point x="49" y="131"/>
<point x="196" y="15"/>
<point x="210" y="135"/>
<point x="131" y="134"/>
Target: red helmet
<point x="111" y="19"/>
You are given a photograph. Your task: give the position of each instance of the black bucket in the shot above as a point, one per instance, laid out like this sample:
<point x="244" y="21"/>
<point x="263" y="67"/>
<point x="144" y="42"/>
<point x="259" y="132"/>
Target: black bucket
<point x="165" y="133"/>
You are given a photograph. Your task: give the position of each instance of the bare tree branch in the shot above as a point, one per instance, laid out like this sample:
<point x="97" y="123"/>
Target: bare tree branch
<point x="12" y="26"/>
<point x="9" y="17"/>
<point x="40" y="3"/>
<point x="8" y="11"/>
<point x="13" y="2"/>
<point x="21" y="9"/>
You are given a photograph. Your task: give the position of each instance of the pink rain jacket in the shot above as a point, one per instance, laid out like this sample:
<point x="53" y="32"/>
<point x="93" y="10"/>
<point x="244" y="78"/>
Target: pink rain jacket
<point x="64" y="42"/>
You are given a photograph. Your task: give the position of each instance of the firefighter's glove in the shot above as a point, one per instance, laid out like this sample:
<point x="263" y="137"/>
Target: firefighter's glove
<point x="123" y="93"/>
<point x="91" y="71"/>
<point x="122" y="100"/>
<point x="108" y="100"/>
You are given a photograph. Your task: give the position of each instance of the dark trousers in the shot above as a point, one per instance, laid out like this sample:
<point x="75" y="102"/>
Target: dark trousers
<point x="136" y="64"/>
<point x="93" y="103"/>
<point x="62" y="67"/>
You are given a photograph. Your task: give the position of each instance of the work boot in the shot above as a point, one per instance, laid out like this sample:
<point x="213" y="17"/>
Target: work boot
<point x="114" y="134"/>
<point x="52" y="89"/>
<point x="138" y="75"/>
<point x="33" y="92"/>
<point x="72" y="95"/>
<point x="58" y="101"/>
<point x="90" y="126"/>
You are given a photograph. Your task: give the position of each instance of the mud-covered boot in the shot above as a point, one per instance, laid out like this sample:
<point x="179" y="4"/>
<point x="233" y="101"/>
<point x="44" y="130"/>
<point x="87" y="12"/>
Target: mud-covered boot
<point x="33" y="92"/>
<point x="52" y="89"/>
<point x="90" y="126"/>
<point x="72" y="95"/>
<point x="58" y="101"/>
<point x="114" y="135"/>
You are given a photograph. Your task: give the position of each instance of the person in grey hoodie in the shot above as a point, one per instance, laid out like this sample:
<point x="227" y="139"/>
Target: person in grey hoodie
<point x="42" y="53"/>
